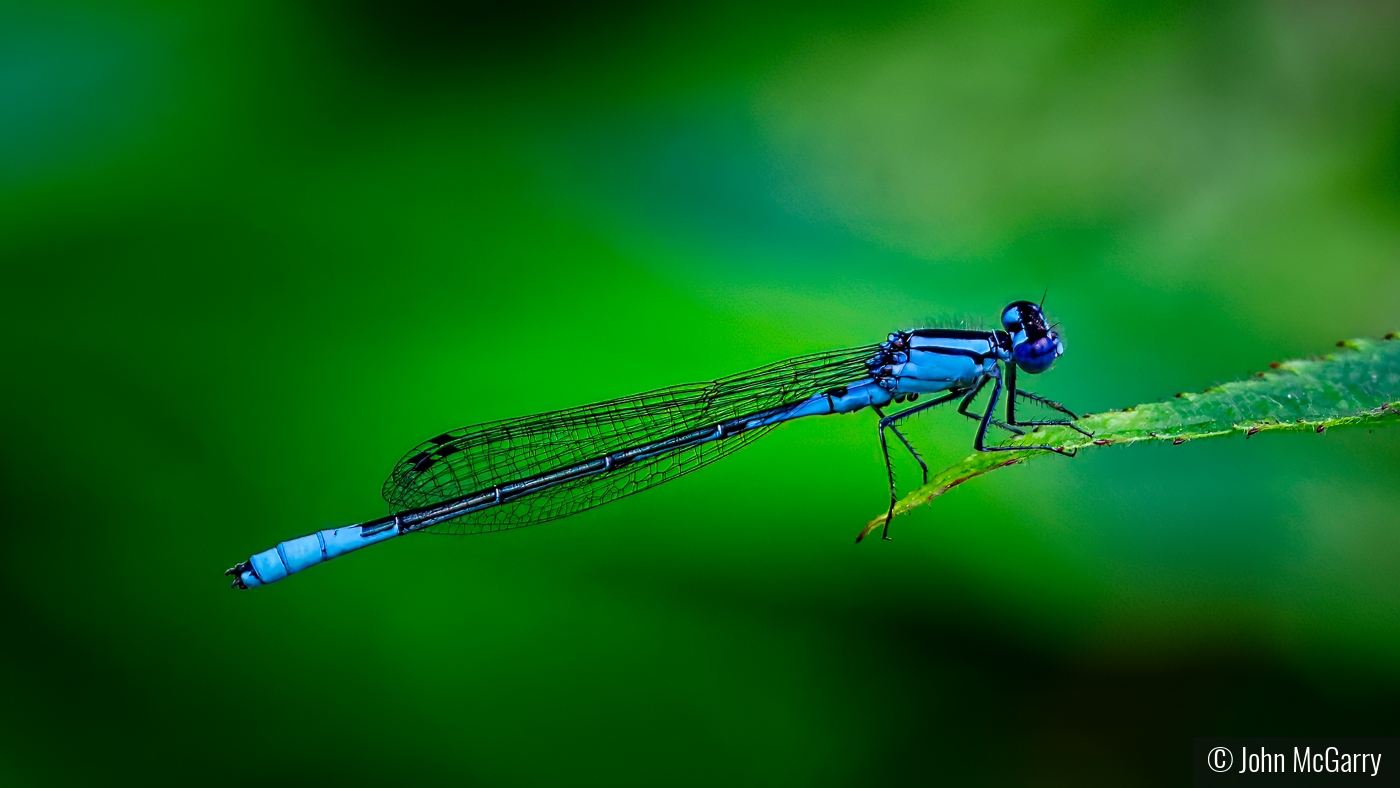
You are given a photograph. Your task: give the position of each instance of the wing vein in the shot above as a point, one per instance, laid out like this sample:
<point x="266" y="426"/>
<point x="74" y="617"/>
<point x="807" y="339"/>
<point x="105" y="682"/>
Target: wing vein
<point x="470" y="459"/>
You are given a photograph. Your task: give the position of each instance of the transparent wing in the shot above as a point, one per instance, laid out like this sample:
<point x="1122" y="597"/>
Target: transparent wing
<point x="471" y="459"/>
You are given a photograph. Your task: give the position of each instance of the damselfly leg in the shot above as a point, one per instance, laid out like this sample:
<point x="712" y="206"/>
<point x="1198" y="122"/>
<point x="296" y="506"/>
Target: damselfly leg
<point x="917" y="458"/>
<point x="1049" y="403"/>
<point x="967" y="403"/>
<point x="978" y="442"/>
<point x="888" y="422"/>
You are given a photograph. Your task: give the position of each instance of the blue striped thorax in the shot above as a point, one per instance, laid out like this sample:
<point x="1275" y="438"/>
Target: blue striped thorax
<point x="929" y="360"/>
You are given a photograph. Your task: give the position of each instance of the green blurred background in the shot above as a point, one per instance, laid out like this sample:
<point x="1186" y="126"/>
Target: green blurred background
<point x="252" y="252"/>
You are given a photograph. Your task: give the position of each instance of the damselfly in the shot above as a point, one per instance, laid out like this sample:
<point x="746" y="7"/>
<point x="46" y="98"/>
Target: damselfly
<point x="517" y="472"/>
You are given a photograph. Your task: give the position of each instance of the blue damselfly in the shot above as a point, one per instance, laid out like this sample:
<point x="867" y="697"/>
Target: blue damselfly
<point x="517" y="472"/>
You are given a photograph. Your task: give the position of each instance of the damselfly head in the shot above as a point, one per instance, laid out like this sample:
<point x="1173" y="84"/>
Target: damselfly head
<point x="1034" y="345"/>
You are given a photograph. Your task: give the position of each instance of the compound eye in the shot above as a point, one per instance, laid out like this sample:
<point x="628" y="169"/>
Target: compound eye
<point x="1011" y="320"/>
<point x="1036" y="357"/>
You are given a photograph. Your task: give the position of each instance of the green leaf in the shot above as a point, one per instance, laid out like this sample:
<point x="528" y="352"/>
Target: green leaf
<point x="1358" y="385"/>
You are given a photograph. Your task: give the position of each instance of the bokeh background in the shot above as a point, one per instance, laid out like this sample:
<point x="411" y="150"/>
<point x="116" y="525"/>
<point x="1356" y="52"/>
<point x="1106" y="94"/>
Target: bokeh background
<point x="254" y="251"/>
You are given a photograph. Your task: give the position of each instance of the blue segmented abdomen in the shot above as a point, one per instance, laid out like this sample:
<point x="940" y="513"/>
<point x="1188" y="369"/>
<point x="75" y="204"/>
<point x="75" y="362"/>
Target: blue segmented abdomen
<point x="294" y="555"/>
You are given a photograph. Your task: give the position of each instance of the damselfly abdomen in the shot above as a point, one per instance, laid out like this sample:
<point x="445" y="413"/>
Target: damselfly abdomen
<point x="517" y="472"/>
